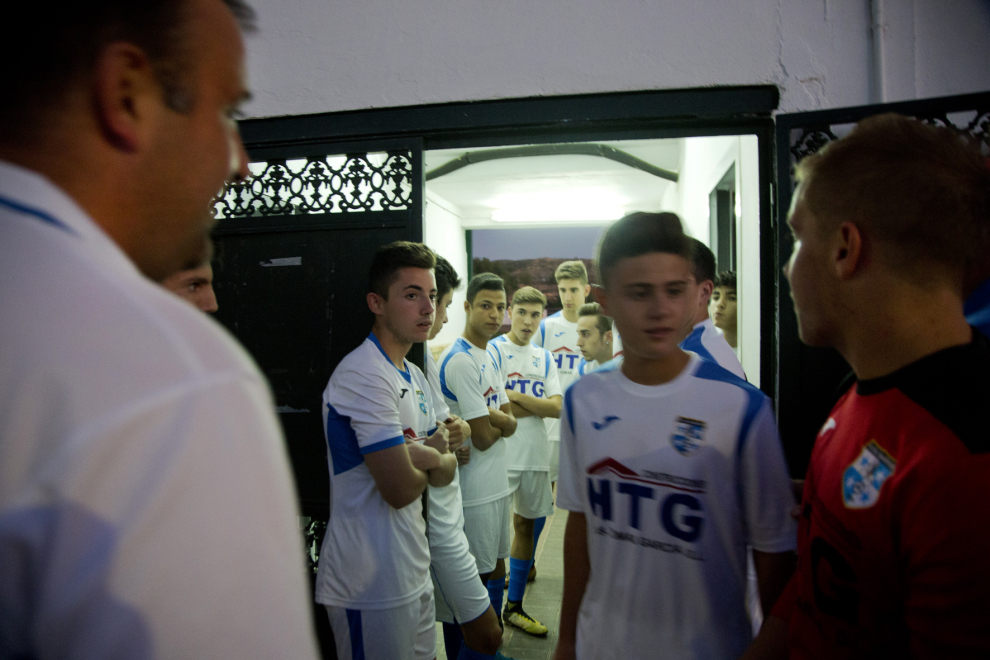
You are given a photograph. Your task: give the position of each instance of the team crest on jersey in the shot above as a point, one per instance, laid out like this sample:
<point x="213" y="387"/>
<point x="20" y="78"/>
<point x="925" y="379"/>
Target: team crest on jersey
<point x="862" y="481"/>
<point x="688" y="435"/>
<point x="536" y="361"/>
<point x="422" y="401"/>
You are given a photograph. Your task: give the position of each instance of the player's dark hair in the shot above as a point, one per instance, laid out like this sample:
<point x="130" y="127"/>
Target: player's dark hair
<point x="917" y="190"/>
<point x="484" y="282"/>
<point x="638" y="234"/>
<point x="50" y="45"/>
<point x="702" y="261"/>
<point x="447" y="279"/>
<point x="390" y="259"/>
<point x="727" y="279"/>
<point x="604" y="323"/>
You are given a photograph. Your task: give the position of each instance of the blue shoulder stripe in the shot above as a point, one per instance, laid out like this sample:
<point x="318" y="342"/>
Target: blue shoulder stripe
<point x="546" y="359"/>
<point x="342" y="442"/>
<point x="37" y="213"/>
<point x="569" y="404"/>
<point x="459" y="347"/>
<point x="693" y="343"/>
<point x="709" y="370"/>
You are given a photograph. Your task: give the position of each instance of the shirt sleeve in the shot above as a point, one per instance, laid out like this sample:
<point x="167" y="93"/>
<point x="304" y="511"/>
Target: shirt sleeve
<point x="766" y="486"/>
<point x="503" y="398"/>
<point x="463" y="380"/>
<point x="367" y="403"/>
<point x="163" y="511"/>
<point x="539" y="337"/>
<point x="552" y="381"/>
<point x="440" y="406"/>
<point x="569" y="478"/>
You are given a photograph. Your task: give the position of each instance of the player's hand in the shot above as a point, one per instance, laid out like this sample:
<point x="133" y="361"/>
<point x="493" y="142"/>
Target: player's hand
<point x="463" y="454"/>
<point x="438" y="440"/>
<point x="455" y="434"/>
<point x="422" y="457"/>
<point x="513" y="395"/>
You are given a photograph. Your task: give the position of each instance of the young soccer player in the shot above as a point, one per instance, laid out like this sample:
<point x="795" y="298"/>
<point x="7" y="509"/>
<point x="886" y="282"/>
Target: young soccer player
<point x="724" y="302"/>
<point x="703" y="338"/>
<point x="470" y="625"/>
<point x="670" y="466"/>
<point x="472" y="386"/>
<point x="594" y="337"/>
<point x="894" y="532"/>
<point x="558" y="334"/>
<point x="384" y="447"/>
<point x="533" y="389"/>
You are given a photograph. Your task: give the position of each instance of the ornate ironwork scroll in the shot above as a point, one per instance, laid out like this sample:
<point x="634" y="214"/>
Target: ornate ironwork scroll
<point x="328" y="184"/>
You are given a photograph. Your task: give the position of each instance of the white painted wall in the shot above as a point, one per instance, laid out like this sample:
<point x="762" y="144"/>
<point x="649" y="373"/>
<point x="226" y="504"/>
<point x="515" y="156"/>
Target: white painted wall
<point x="316" y="56"/>
<point x="704" y="162"/>
<point x="445" y="235"/>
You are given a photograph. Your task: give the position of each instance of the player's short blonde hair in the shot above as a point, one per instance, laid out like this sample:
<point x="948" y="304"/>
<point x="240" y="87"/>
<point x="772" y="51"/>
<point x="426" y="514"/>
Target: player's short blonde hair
<point x="571" y="270"/>
<point x="528" y="294"/>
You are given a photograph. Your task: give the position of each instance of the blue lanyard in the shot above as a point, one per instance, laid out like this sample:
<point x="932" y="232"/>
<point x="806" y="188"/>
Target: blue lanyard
<point x="41" y="215"/>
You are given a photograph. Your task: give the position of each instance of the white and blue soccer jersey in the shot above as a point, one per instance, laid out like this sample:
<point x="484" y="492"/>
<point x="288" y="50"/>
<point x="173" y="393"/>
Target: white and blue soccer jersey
<point x="708" y="342"/>
<point x="373" y="556"/>
<point x="527" y="370"/>
<point x="446" y="509"/>
<point x="471" y="384"/>
<point x="559" y="336"/>
<point x="674" y="480"/>
<point x="587" y="367"/>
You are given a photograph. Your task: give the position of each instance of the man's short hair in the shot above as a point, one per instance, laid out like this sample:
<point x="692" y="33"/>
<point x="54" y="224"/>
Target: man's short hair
<point x="702" y="261"/>
<point x="391" y="258"/>
<point x="571" y="270"/>
<point x="638" y="234"/>
<point x="913" y="187"/>
<point x="604" y="323"/>
<point x="726" y="279"/>
<point x="54" y="44"/>
<point x="528" y="294"/>
<point x="484" y="282"/>
<point x="447" y="279"/>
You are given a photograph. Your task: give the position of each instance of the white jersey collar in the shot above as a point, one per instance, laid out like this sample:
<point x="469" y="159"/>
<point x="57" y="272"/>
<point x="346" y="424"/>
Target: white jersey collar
<point x="665" y="389"/>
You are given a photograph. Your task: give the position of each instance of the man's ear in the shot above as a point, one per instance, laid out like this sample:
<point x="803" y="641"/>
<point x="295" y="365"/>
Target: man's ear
<point x="467" y="306"/>
<point x="376" y="304"/>
<point x="587" y="290"/>
<point x="607" y="337"/>
<point x="602" y="299"/>
<point x="848" y="251"/>
<point x="707" y="287"/>
<point x="126" y="95"/>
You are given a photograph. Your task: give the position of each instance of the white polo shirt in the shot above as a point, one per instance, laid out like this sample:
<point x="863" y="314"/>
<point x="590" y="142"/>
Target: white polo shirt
<point x="373" y="556"/>
<point x="527" y="370"/>
<point x="146" y="503"/>
<point x="471" y="384"/>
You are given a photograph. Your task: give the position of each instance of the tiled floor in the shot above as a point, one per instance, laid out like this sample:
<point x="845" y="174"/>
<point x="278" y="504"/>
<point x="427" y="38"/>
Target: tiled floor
<point x="542" y="599"/>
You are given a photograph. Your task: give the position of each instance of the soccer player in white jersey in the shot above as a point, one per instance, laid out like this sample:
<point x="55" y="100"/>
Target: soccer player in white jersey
<point x="470" y="625"/>
<point x="702" y="337"/>
<point x="384" y="447"/>
<point x="531" y="383"/>
<point x="472" y="386"/>
<point x="670" y="465"/>
<point x="594" y="337"/>
<point x="724" y="303"/>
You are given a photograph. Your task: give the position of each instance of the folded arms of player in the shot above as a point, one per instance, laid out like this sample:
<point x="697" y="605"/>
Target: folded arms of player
<point x="458" y="431"/>
<point x="402" y="472"/>
<point x="527" y="405"/>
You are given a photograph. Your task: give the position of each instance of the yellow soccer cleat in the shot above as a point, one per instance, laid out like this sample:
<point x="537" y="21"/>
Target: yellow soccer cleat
<point x="516" y="616"/>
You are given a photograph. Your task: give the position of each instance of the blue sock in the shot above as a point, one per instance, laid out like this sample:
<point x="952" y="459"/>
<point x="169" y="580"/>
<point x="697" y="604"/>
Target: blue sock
<point x="537" y="530"/>
<point x="468" y="654"/>
<point x="495" y="593"/>
<point x="518" y="572"/>
<point x="452" y="639"/>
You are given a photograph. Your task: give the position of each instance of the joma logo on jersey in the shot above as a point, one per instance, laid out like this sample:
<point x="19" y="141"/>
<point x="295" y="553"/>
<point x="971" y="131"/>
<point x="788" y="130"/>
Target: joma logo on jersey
<point x="517" y="383"/>
<point x="679" y="513"/>
<point x="688" y="435"/>
<point x="862" y="481"/>
<point x="560" y="356"/>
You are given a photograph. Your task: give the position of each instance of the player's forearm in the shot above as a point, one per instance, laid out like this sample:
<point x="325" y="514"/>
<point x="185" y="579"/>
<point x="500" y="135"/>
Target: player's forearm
<point x="406" y="489"/>
<point x="538" y="406"/>
<point x="518" y="411"/>
<point x="502" y="420"/>
<point x="443" y="474"/>
<point x="773" y="572"/>
<point x="577" y="570"/>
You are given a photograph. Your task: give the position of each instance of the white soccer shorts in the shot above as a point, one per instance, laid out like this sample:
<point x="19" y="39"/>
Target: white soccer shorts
<point x="554" y="460"/>
<point x="457" y="591"/>
<point x="531" y="494"/>
<point x="486" y="527"/>
<point x="398" y="633"/>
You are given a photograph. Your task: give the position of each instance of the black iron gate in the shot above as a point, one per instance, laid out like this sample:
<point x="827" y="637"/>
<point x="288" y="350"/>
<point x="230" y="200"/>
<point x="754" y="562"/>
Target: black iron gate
<point x="808" y="379"/>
